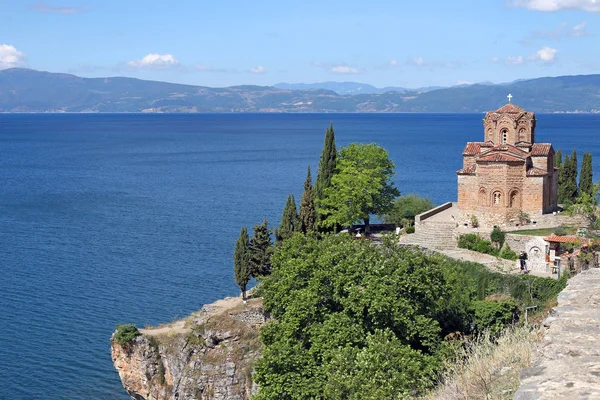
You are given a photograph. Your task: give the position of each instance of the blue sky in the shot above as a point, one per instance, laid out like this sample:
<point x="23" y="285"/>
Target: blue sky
<point x="230" y="42"/>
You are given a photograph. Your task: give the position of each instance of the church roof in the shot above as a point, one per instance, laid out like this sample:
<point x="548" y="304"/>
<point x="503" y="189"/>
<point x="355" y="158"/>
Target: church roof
<point x="534" y="171"/>
<point x="510" y="109"/>
<point x="470" y="169"/>
<point x="499" y="157"/>
<point x="472" y="149"/>
<point x="541" y="149"/>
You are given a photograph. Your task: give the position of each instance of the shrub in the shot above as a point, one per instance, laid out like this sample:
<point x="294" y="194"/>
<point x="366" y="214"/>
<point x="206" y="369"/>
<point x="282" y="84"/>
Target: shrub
<point x="494" y="315"/>
<point x="498" y="236"/>
<point x="474" y="242"/>
<point x="560" y="231"/>
<point x="126" y="333"/>
<point x="410" y="229"/>
<point x="507" y="253"/>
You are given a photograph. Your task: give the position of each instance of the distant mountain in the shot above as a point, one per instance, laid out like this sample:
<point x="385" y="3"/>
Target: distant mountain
<point x="24" y="90"/>
<point x="342" y="88"/>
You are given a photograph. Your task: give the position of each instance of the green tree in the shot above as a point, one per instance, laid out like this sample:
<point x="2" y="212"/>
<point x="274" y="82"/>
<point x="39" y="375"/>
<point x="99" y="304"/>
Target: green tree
<point x="558" y="162"/>
<point x="308" y="209"/>
<point x="361" y="186"/>
<point x="290" y="222"/>
<point x="586" y="205"/>
<point x="327" y="164"/>
<point x="405" y="208"/>
<point x="585" y="177"/>
<point x="241" y="261"/>
<point x="260" y="250"/>
<point x="567" y="178"/>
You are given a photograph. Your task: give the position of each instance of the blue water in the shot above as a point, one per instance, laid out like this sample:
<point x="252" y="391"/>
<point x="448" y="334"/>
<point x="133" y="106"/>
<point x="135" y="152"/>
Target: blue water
<point x="111" y="219"/>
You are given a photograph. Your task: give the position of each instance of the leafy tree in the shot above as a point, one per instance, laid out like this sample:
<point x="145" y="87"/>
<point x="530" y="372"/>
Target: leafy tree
<point x="558" y="162"/>
<point x="567" y="178"/>
<point x="241" y="261"/>
<point x="327" y="164"/>
<point x="585" y="177"/>
<point x="308" y="209"/>
<point x="290" y="221"/>
<point x="260" y="250"/>
<point x="361" y="186"/>
<point x="587" y="206"/>
<point x="405" y="208"/>
<point x="498" y="236"/>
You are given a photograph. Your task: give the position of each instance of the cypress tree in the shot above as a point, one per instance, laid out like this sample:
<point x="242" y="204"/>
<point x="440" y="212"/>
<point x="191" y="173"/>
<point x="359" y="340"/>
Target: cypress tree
<point x="260" y="250"/>
<point x="563" y="177"/>
<point x="558" y="163"/>
<point x="241" y="261"/>
<point x="572" y="186"/>
<point x="327" y="163"/>
<point x="290" y="222"/>
<point x="585" y="177"/>
<point x="308" y="210"/>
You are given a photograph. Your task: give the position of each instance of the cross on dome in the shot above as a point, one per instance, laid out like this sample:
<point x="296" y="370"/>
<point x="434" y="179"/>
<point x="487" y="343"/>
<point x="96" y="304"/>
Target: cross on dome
<point x="510" y="96"/>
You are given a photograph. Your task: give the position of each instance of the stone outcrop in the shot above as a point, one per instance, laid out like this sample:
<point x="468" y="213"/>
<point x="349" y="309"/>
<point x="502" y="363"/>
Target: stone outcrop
<point x="567" y="361"/>
<point x="210" y="355"/>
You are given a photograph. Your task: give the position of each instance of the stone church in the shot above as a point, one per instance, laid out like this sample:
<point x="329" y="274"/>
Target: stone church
<point x="507" y="173"/>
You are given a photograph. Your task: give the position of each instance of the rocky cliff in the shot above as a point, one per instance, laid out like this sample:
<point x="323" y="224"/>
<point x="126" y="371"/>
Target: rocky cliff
<point x="206" y="356"/>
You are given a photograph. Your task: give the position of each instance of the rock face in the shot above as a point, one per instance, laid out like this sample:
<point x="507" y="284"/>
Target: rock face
<point x="207" y="356"/>
<point x="567" y="363"/>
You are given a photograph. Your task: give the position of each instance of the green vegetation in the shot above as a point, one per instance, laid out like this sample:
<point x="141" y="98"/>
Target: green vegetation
<point x="410" y="229"/>
<point x="126" y="333"/>
<point x="567" y="179"/>
<point x="260" y="250"/>
<point x="241" y="261"/>
<point x="586" y="175"/>
<point x="352" y="320"/>
<point x="569" y="230"/>
<point x="473" y="241"/>
<point x="290" y="222"/>
<point x="405" y="208"/>
<point x="308" y="208"/>
<point x="558" y="161"/>
<point x="498" y="236"/>
<point x="327" y="164"/>
<point x="587" y="206"/>
<point x="360" y="187"/>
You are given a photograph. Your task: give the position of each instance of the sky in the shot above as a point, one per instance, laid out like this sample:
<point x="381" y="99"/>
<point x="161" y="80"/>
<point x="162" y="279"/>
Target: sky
<point x="220" y="43"/>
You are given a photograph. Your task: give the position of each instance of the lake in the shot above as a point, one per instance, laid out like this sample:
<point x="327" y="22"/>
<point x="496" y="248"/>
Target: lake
<point x="122" y="218"/>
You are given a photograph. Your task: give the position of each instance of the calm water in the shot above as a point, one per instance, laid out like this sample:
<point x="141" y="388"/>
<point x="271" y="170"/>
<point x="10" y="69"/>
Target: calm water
<point x="111" y="219"/>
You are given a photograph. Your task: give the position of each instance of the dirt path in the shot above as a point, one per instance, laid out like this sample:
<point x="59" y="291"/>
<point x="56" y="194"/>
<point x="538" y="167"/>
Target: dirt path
<point x="182" y="325"/>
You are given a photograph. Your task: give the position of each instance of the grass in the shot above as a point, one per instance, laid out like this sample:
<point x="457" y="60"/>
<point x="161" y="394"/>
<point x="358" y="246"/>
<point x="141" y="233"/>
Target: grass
<point x="487" y="367"/>
<point x="571" y="230"/>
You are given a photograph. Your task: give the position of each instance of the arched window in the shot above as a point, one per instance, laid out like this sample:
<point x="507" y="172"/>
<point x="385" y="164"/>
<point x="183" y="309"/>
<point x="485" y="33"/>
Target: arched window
<point x="482" y="197"/>
<point x="514" y="199"/>
<point x="497" y="199"/>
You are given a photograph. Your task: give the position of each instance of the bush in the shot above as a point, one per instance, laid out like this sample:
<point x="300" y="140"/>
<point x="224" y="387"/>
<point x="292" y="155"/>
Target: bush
<point x="474" y="242"/>
<point x="126" y="333"/>
<point x="560" y="231"/>
<point x="507" y="253"/>
<point x="410" y="229"/>
<point x="498" y="236"/>
<point x="494" y="315"/>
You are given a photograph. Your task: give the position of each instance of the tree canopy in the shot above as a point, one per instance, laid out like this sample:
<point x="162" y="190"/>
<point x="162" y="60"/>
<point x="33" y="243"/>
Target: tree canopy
<point x="567" y="179"/>
<point x="361" y="186"/>
<point x="241" y="261"/>
<point x="290" y="222"/>
<point x="405" y="208"/>
<point x="260" y="250"/>
<point x="308" y="209"/>
<point x="327" y="163"/>
<point x="586" y="184"/>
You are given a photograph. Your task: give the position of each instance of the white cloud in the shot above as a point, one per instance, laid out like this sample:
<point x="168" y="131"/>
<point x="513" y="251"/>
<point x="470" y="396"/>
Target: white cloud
<point x="393" y="63"/>
<point x="419" y="62"/>
<point x="560" y="32"/>
<point x="10" y="57"/>
<point x="258" y="70"/>
<point x="495" y="59"/>
<point x="579" y="30"/>
<point x="344" y="69"/>
<point x="557" y="5"/>
<point x="515" y="60"/>
<point x="546" y="54"/>
<point x="155" y="61"/>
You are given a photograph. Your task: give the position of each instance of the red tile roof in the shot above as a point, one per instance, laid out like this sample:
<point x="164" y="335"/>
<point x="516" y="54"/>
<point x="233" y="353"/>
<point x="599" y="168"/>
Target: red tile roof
<point x="510" y="109"/>
<point x="566" y="239"/>
<point x="472" y="148"/>
<point x="541" y="149"/>
<point x="534" y="171"/>
<point x="470" y="169"/>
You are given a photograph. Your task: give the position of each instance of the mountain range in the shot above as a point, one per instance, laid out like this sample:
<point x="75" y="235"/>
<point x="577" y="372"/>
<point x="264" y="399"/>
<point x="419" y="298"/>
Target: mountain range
<point x="25" y="90"/>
